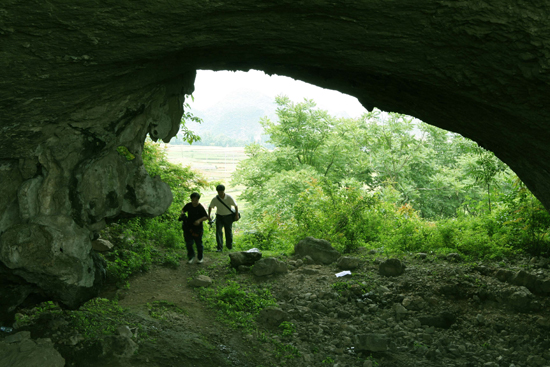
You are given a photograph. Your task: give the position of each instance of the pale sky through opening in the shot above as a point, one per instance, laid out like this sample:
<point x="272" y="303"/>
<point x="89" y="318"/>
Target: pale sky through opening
<point x="212" y="86"/>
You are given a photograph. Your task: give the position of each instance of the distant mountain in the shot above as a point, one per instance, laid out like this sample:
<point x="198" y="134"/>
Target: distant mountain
<point x="237" y="115"/>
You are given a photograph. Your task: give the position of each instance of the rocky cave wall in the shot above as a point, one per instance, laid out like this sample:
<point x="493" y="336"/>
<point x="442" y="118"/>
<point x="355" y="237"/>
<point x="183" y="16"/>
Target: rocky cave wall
<point x="79" y="80"/>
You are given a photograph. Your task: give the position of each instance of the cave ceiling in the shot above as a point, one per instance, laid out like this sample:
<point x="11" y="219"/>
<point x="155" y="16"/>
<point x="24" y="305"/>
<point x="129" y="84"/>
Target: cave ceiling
<point x="79" y="79"/>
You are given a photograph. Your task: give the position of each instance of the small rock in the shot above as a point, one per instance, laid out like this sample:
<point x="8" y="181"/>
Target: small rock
<point x="101" y="245"/>
<point x="201" y="281"/>
<point x="348" y="263"/>
<point x="391" y="268"/>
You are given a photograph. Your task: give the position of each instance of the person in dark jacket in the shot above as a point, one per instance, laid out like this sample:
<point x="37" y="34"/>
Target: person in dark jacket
<point x="192" y="227"/>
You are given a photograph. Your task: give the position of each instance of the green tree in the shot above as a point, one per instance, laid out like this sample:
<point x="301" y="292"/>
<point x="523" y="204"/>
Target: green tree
<point x="300" y="126"/>
<point x="484" y="167"/>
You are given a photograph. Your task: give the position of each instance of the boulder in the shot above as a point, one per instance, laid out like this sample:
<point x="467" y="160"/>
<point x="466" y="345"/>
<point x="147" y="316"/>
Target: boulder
<point x="269" y="265"/>
<point x="21" y="351"/>
<point x="247" y="258"/>
<point x="348" y="263"/>
<point x="391" y="268"/>
<point x="320" y="250"/>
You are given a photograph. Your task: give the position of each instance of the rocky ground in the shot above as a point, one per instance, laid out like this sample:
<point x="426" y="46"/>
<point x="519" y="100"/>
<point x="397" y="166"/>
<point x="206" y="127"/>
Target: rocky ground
<point x="441" y="311"/>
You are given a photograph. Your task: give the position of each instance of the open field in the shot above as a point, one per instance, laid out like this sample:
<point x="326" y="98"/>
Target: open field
<point x="215" y="163"/>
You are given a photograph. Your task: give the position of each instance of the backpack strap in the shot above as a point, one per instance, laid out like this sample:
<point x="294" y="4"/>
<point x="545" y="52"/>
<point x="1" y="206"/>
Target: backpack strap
<point x="220" y="200"/>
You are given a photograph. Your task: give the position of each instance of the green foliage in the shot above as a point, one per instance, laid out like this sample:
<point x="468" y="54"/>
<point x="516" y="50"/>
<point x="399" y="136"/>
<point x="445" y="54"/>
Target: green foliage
<point x="188" y="117"/>
<point x="384" y="181"/>
<point x="288" y="328"/>
<point x="123" y="151"/>
<point x="237" y="306"/>
<point x="93" y="320"/>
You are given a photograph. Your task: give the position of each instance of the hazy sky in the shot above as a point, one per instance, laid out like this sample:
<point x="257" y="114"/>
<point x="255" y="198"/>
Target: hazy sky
<point x="211" y="86"/>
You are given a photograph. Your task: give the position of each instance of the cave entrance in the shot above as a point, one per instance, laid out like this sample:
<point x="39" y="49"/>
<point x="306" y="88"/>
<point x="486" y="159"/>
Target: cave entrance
<point x="231" y="104"/>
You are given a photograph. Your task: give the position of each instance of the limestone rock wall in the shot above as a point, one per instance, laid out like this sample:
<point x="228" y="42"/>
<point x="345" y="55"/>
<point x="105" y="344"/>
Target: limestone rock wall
<point x="55" y="198"/>
<point x="79" y="80"/>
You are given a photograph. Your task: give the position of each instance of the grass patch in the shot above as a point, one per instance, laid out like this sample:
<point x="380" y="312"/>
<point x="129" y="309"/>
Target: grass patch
<point x="237" y="305"/>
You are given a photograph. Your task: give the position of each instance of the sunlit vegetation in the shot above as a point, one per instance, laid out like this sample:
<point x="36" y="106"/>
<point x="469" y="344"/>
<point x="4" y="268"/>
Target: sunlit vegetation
<point x="383" y="181"/>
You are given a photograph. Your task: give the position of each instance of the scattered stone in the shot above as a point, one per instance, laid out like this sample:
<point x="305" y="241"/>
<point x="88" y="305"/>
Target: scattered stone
<point x="272" y="316"/>
<point x="521" y="300"/>
<point x="504" y="275"/>
<point x="371" y="342"/>
<point x="269" y="265"/>
<point x="414" y="303"/>
<point x="201" y="281"/>
<point x="319" y="250"/>
<point x="101" y="245"/>
<point x="348" y="263"/>
<point x="247" y="258"/>
<point x="524" y="279"/>
<point x="308" y="260"/>
<point x="391" y="268"/>
<point x="444" y="320"/>
<point x="299" y="263"/>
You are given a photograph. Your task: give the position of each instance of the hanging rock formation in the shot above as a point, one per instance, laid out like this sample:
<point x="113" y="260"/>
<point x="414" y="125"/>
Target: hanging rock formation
<point x="80" y="80"/>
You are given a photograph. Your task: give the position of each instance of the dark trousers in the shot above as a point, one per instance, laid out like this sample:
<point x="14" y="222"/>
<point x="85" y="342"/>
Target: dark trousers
<point x="189" y="241"/>
<point x="224" y="222"/>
